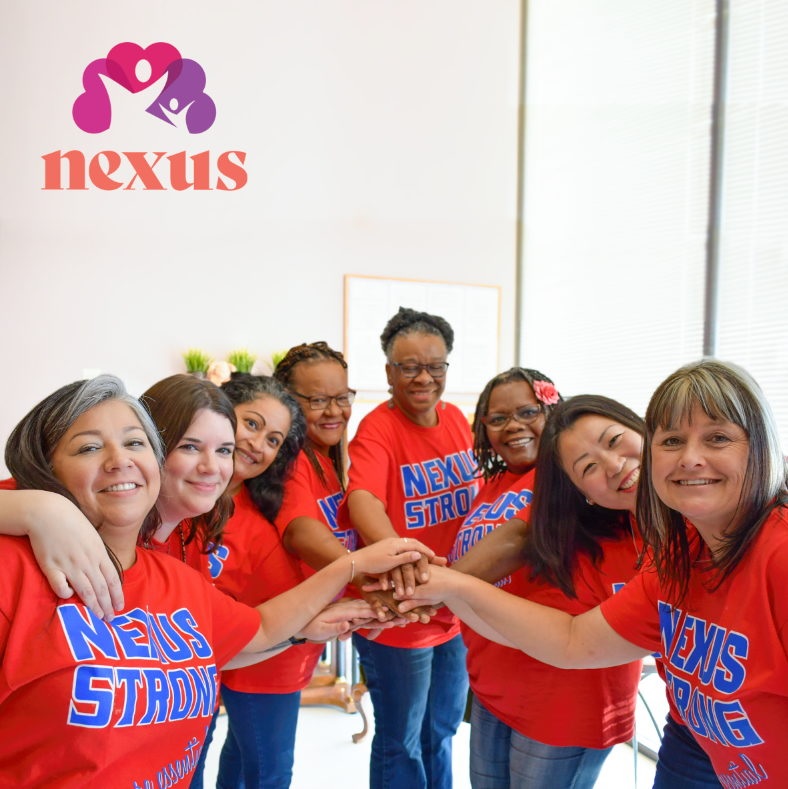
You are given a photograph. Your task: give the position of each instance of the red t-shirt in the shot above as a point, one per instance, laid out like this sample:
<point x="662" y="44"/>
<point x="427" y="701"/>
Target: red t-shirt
<point x="588" y="708"/>
<point x="426" y="479"/>
<point x="85" y="703"/>
<point x="502" y="498"/>
<point x="307" y="496"/>
<point x="252" y="565"/>
<point x="188" y="552"/>
<point x="725" y="654"/>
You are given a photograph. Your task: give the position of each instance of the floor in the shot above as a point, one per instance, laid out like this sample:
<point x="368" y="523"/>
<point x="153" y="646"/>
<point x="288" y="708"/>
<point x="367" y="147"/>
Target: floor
<point x="326" y="756"/>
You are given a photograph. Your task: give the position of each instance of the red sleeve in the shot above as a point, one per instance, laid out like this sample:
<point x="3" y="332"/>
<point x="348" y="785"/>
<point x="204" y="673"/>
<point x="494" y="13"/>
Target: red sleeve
<point x="370" y="460"/>
<point x="234" y="625"/>
<point x="633" y="611"/>
<point x="300" y="499"/>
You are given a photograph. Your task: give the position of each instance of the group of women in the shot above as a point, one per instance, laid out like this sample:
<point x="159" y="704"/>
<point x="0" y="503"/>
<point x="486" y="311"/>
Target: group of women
<point x="580" y="539"/>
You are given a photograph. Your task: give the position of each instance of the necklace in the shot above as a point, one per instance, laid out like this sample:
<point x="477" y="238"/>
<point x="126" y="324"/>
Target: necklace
<point x="183" y="542"/>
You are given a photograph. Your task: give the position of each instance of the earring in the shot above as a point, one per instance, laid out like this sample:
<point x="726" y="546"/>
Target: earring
<point x="589" y="502"/>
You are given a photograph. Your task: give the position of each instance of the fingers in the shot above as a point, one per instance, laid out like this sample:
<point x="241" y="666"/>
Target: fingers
<point x="397" y="579"/>
<point x="408" y="580"/>
<point x="422" y="568"/>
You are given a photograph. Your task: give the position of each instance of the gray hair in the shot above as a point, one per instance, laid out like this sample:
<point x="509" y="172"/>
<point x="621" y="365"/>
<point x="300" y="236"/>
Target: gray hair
<point x="29" y="450"/>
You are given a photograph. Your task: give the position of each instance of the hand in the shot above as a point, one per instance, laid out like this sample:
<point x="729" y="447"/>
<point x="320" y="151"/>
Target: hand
<point x="432" y="593"/>
<point x="391" y="552"/>
<point x="73" y="557"/>
<point x="338" y="619"/>
<point x="384" y="602"/>
<point x="403" y="579"/>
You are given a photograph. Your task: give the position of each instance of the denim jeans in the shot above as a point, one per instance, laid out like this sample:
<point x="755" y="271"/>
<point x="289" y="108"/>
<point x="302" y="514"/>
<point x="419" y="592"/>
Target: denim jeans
<point x="261" y="729"/>
<point x="199" y="768"/>
<point x="418" y="697"/>
<point x="502" y="758"/>
<point x="681" y="762"/>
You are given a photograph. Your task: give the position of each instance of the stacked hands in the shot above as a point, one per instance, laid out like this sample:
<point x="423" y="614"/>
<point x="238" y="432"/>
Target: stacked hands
<point x="397" y="597"/>
<point x="389" y="573"/>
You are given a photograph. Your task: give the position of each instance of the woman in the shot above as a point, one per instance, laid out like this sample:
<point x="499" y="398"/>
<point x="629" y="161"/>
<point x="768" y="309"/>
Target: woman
<point x="412" y="473"/>
<point x="317" y="375"/>
<point x="712" y="508"/>
<point x="125" y="701"/>
<point x="528" y="725"/>
<point x="253" y="565"/>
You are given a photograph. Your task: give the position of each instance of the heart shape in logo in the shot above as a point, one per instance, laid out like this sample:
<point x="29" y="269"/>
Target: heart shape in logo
<point x="123" y="60"/>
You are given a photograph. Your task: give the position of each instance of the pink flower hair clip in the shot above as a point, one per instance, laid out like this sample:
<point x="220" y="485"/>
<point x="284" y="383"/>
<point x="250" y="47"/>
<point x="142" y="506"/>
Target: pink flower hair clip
<point x="546" y="393"/>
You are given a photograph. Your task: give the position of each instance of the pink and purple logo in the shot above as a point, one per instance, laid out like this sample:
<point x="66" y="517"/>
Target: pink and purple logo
<point x="182" y="97"/>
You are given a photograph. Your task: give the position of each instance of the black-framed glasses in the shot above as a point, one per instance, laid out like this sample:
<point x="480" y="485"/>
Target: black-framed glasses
<point x="321" y="402"/>
<point x="412" y="369"/>
<point x="523" y="415"/>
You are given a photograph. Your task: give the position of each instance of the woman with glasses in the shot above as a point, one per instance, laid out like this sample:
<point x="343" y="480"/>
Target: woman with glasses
<point x="412" y="474"/>
<point x="316" y="375"/>
<point x="533" y="725"/>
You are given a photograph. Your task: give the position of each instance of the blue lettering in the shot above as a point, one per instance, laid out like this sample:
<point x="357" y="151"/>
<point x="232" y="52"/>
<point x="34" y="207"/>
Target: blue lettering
<point x="130" y="679"/>
<point x="329" y="506"/>
<point x="479" y="513"/>
<point x="414" y="482"/>
<point x="462" y="500"/>
<point x="157" y="696"/>
<point x="204" y="679"/>
<point x="172" y="643"/>
<point x="730" y="676"/>
<point x="87" y="635"/>
<point x="133" y="638"/>
<point x="182" y="694"/>
<point x="93" y="690"/>
<point x="707" y="642"/>
<point x="185" y="621"/>
<point x="216" y="560"/>
<point x="435" y="473"/>
<point x="735" y="724"/>
<point x="414" y="517"/>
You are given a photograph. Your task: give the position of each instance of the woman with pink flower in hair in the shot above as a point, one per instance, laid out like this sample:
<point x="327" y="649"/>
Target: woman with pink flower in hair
<point x="533" y="725"/>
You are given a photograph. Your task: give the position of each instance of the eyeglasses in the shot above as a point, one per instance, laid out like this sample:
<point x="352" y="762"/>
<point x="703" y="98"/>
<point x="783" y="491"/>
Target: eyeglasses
<point x="411" y="369"/>
<point x="321" y="402"/>
<point x="524" y="415"/>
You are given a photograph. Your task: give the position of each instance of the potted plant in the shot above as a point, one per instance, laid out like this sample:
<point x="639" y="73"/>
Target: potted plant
<point x="242" y="360"/>
<point x="196" y="362"/>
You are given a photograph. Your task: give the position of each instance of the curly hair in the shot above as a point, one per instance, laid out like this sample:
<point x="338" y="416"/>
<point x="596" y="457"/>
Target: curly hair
<point x="408" y="321"/>
<point x="724" y="392"/>
<point x="307" y="353"/>
<point x="267" y="488"/>
<point x="562" y="525"/>
<point x="173" y="403"/>
<point x="490" y="463"/>
<point x="29" y="449"/>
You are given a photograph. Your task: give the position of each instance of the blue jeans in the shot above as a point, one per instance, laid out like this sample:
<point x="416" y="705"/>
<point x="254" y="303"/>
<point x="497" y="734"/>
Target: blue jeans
<point x="199" y="768"/>
<point x="681" y="762"/>
<point x="261" y="729"/>
<point x="418" y="696"/>
<point x="502" y="758"/>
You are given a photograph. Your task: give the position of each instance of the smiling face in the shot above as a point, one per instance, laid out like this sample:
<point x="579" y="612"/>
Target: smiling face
<point x="516" y="443"/>
<point x="602" y="459"/>
<point x="324" y="427"/>
<point x="198" y="469"/>
<point x="417" y="397"/>
<point x="698" y="468"/>
<point x="263" y="424"/>
<point x="106" y="462"/>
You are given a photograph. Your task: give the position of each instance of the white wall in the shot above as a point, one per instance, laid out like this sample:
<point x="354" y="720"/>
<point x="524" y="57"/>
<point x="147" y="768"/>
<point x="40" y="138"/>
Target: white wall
<point x="380" y="140"/>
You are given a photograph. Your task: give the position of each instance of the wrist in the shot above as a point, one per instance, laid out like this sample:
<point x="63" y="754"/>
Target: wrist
<point x="296" y="641"/>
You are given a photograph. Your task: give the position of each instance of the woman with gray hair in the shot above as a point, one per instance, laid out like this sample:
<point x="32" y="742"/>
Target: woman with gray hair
<point x="124" y="702"/>
<point x="713" y="508"/>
